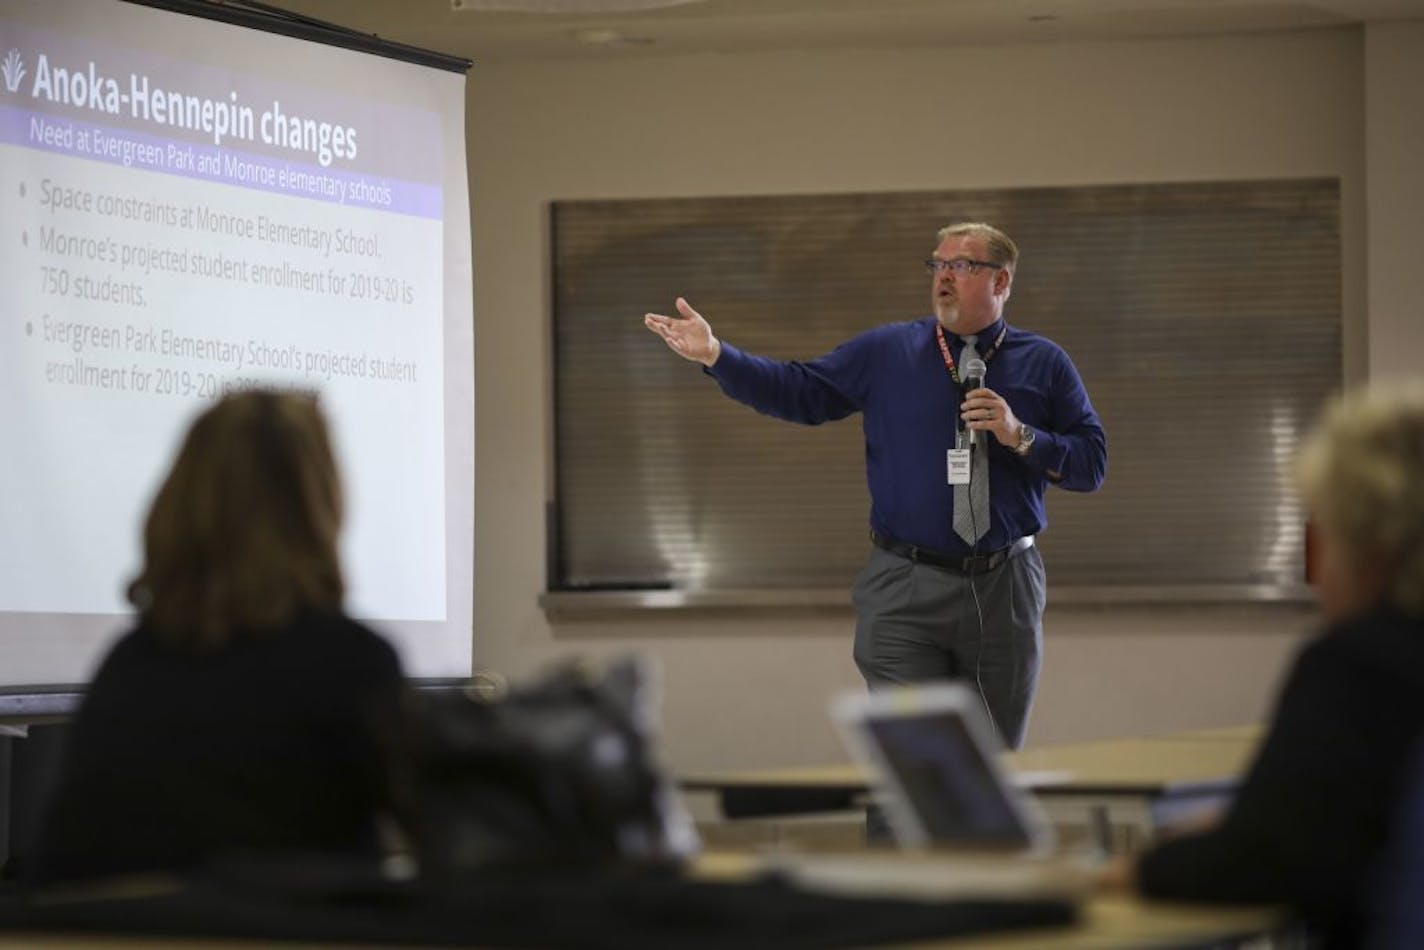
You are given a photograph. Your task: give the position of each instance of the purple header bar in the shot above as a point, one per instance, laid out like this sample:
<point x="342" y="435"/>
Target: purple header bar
<point x="114" y="146"/>
<point x="115" y="44"/>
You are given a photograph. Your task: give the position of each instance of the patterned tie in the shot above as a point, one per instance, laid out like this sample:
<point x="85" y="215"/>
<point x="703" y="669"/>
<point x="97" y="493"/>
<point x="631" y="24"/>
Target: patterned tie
<point x="971" y="502"/>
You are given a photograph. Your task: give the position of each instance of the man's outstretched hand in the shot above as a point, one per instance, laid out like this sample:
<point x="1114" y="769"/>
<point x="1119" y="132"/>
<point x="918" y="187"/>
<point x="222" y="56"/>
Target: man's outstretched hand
<point x="688" y="335"/>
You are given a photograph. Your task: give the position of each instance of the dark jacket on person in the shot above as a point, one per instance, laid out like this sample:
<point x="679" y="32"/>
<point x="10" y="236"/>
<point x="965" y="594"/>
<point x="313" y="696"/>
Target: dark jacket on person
<point x="1313" y="815"/>
<point x="276" y="742"/>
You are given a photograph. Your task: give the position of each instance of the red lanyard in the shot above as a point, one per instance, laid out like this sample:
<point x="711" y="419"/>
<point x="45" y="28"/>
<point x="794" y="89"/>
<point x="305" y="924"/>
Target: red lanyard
<point x="949" y="357"/>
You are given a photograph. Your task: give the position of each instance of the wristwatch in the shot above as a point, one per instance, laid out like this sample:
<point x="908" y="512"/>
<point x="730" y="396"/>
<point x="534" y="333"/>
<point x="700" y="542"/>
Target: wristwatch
<point x="1025" y="441"/>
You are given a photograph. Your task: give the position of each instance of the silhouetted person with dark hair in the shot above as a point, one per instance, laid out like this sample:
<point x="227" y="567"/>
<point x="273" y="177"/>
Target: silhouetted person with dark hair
<point x="245" y="715"/>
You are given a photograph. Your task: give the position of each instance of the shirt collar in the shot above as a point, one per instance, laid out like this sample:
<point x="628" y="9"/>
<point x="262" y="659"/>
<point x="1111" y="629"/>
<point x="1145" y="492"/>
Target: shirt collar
<point x="983" y="339"/>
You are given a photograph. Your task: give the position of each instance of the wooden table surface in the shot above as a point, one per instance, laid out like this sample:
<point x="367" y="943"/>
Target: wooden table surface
<point x="1139" y="765"/>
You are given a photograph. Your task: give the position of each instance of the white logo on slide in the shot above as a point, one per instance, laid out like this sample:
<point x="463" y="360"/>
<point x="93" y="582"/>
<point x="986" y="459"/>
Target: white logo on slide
<point x="13" y="69"/>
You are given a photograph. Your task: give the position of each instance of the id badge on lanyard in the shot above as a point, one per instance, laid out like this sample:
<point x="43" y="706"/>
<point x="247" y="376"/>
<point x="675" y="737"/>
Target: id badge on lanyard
<point x="959" y="459"/>
<point x="958" y="463"/>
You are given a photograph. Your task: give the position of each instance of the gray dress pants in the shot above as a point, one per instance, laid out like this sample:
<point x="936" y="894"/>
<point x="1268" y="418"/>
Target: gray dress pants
<point x="916" y="622"/>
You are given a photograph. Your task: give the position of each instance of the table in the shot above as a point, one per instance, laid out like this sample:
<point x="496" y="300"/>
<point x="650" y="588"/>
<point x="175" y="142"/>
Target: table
<point x="1124" y="789"/>
<point x="1252" y="734"/>
<point x="1108" y="922"/>
<point x="1130" y="784"/>
<point x="1149" y="766"/>
<point x="1143" y="767"/>
<point x="1118" y="922"/>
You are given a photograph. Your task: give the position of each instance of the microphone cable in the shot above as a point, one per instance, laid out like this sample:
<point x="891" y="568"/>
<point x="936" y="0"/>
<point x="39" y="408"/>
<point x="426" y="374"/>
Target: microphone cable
<point x="979" y="610"/>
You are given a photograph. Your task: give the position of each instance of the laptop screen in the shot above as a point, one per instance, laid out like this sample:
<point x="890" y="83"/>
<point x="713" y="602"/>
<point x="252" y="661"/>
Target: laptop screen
<point x="945" y="778"/>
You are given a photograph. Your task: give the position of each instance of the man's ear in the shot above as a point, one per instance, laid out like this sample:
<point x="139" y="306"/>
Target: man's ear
<point x="1003" y="281"/>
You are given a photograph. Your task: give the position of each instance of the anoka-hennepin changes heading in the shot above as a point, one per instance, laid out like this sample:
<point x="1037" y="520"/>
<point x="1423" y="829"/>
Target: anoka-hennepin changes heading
<point x="219" y="118"/>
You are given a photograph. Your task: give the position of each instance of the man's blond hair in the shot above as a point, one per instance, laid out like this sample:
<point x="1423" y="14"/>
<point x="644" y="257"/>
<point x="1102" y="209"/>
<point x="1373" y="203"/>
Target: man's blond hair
<point x="999" y="247"/>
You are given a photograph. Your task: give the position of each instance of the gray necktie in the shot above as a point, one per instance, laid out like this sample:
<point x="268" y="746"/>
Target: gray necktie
<point x="971" y="502"/>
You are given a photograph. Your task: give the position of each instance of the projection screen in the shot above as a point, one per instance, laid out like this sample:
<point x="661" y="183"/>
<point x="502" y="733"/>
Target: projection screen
<point x="189" y="207"/>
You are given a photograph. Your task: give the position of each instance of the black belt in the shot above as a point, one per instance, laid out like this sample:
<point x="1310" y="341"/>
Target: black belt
<point x="975" y="564"/>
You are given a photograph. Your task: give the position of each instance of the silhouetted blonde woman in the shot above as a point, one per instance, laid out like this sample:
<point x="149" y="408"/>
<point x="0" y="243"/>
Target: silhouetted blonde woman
<point x="1313" y="814"/>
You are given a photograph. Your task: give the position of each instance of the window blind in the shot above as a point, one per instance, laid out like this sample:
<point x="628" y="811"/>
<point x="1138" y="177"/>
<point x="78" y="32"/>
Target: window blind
<point x="1204" y="319"/>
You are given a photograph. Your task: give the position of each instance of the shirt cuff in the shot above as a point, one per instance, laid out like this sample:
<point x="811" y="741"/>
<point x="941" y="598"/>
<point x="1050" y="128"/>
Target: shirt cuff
<point x="727" y="361"/>
<point x="1047" y="453"/>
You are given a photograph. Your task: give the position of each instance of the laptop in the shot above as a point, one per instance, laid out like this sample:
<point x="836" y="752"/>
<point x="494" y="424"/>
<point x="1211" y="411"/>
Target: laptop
<point x="933" y="757"/>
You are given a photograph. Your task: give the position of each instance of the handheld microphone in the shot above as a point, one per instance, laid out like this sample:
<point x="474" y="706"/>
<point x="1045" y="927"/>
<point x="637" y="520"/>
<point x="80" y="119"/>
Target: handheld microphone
<point x="974" y="379"/>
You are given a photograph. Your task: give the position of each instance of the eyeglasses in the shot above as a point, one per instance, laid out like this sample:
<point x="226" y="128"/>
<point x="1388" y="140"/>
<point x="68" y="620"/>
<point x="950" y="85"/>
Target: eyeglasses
<point x="961" y="266"/>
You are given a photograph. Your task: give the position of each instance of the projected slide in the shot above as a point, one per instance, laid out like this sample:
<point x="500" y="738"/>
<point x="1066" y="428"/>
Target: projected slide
<point x="187" y="209"/>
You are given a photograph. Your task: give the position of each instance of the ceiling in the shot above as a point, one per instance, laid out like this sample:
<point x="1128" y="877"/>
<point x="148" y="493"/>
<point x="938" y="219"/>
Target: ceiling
<point x="737" y="25"/>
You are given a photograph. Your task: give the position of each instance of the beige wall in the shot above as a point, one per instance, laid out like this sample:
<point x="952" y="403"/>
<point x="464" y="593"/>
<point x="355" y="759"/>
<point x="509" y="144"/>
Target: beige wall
<point x="1394" y="139"/>
<point x="750" y="689"/>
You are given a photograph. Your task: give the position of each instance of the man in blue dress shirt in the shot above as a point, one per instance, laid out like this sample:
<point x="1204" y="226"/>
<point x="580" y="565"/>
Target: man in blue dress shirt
<point x="955" y="586"/>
